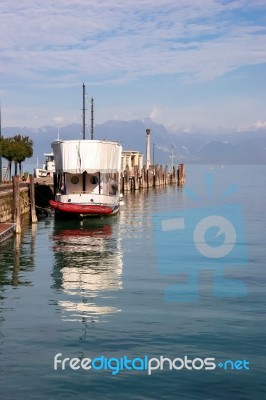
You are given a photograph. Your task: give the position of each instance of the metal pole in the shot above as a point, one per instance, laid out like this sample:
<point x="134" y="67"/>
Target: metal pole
<point x="153" y="159"/>
<point x="83" y="109"/>
<point x="172" y="158"/>
<point x="148" y="161"/>
<point x="83" y="129"/>
<point x="92" y="133"/>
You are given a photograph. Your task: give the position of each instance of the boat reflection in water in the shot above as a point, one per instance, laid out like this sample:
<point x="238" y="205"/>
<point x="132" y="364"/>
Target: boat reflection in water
<point x="88" y="268"/>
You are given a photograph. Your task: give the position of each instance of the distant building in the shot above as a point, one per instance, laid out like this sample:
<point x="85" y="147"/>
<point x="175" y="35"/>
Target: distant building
<point x="131" y="158"/>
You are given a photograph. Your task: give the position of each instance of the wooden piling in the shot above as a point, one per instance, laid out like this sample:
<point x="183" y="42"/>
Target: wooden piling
<point x="32" y="201"/>
<point x="161" y="175"/>
<point x="136" y="178"/>
<point x="127" y="179"/>
<point x="157" y="175"/>
<point x="174" y="180"/>
<point x="143" y="178"/>
<point x="181" y="174"/>
<point x="166" y="175"/>
<point x="150" y="177"/>
<point x="16" y="201"/>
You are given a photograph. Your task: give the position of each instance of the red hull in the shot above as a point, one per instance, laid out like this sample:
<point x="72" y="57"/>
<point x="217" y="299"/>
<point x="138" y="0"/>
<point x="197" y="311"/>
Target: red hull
<point x="92" y="209"/>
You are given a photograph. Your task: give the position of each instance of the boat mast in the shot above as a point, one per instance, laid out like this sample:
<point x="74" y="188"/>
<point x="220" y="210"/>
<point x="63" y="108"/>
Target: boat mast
<point x="83" y="110"/>
<point x="83" y="130"/>
<point x="92" y="133"/>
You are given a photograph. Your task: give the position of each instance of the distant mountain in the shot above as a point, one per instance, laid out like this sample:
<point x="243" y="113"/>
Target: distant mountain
<point x="245" y="147"/>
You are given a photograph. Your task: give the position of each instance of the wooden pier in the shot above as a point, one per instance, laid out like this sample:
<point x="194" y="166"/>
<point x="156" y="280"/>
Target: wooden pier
<point x="135" y="179"/>
<point x="18" y="198"/>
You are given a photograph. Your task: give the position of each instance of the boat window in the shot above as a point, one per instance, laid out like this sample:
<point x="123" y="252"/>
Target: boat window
<point x="94" y="180"/>
<point x="74" y="180"/>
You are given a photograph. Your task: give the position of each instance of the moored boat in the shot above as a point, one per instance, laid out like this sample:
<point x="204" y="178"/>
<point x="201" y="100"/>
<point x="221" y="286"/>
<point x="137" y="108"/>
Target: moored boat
<point x="48" y="168"/>
<point x="86" y="179"/>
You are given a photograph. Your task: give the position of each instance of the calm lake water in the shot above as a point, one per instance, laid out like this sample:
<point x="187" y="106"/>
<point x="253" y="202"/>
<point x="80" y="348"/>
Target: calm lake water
<point x="100" y="289"/>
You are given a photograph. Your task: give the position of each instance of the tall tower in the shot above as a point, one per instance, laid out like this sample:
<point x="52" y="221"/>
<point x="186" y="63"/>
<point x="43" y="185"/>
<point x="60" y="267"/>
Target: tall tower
<point x="148" y="156"/>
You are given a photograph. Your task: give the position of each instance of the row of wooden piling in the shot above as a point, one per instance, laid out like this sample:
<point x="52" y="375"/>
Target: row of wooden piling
<point x="135" y="179"/>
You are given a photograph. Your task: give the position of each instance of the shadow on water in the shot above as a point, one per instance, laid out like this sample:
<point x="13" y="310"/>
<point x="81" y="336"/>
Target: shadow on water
<point x="87" y="269"/>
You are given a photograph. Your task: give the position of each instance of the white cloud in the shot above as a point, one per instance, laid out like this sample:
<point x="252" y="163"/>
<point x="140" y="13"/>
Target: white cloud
<point x="155" y="114"/>
<point x="58" y="120"/>
<point x="53" y="43"/>
<point x="260" y="124"/>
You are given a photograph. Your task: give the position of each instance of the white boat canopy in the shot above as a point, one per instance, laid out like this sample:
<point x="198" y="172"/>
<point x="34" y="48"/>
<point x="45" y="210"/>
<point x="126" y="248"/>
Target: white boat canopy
<point x="78" y="156"/>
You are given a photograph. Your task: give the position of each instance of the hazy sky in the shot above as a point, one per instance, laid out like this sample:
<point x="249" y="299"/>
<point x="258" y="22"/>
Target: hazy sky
<point x="189" y="64"/>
